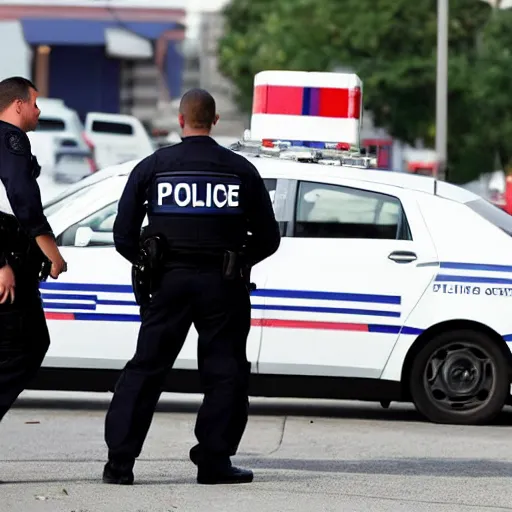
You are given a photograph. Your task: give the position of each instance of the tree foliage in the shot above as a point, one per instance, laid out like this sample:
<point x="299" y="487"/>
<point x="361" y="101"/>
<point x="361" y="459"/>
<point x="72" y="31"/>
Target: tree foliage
<point x="391" y="44"/>
<point x="491" y="87"/>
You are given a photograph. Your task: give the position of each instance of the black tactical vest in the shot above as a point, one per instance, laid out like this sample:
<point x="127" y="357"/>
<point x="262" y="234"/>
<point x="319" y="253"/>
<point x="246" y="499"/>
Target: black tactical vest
<point x="198" y="206"/>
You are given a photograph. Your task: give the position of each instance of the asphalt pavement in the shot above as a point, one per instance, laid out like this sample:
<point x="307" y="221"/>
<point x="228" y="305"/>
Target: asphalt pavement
<point x="306" y="455"/>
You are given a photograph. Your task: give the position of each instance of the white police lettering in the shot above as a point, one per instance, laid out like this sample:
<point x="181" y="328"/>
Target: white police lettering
<point x="178" y="196"/>
<point x="233" y="194"/>
<point x="164" y="190"/>
<point x="195" y="201"/>
<point x="184" y="194"/>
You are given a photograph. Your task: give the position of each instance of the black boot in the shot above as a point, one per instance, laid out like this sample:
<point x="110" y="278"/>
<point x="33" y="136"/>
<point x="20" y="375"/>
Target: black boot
<point x="195" y="454"/>
<point x="118" y="474"/>
<point x="224" y="473"/>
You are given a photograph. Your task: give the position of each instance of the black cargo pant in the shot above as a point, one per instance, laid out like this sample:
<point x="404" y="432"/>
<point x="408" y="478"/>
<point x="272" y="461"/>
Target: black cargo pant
<point x="24" y="341"/>
<point x="221" y="313"/>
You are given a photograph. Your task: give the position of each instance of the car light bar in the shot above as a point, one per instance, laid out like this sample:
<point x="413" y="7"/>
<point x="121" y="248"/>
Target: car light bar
<point x="307" y="108"/>
<point x="308" y="117"/>
<point x="285" y="150"/>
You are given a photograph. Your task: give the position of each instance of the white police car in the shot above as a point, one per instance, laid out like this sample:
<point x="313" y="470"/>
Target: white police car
<point x="386" y="287"/>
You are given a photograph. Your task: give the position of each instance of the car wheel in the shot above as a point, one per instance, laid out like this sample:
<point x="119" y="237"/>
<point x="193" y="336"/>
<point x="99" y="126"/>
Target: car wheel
<point x="460" y="377"/>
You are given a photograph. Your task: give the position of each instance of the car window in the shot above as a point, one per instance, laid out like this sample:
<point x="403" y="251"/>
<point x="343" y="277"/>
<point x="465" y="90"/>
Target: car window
<point x="271" y="184"/>
<point x="55" y="203"/>
<point x="111" y="127"/>
<point x="47" y="124"/>
<point x="66" y="200"/>
<point x="333" y="211"/>
<point x="102" y="221"/>
<point x="492" y="213"/>
<point x="101" y="224"/>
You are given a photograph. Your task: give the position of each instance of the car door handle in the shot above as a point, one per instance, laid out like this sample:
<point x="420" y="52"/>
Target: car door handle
<point x="403" y="256"/>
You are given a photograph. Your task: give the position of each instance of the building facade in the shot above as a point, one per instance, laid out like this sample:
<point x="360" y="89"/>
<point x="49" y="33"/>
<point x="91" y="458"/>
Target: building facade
<point x="107" y="56"/>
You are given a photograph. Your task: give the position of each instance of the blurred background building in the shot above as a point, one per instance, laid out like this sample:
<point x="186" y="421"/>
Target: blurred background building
<point x="137" y="57"/>
<point x="119" y="56"/>
<point x="109" y="56"/>
<point x="131" y="57"/>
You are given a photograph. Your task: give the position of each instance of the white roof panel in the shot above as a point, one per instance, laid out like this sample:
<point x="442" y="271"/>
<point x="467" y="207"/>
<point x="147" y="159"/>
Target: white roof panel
<point x="307" y="79"/>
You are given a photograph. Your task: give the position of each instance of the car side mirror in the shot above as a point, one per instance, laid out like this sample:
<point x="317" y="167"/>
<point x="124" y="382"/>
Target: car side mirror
<point x="83" y="236"/>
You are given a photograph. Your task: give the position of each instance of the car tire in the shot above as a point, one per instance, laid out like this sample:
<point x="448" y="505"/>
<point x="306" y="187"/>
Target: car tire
<point x="460" y="377"/>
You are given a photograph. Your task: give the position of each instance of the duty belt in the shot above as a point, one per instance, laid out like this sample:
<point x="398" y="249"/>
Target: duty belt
<point x="195" y="257"/>
<point x="230" y="263"/>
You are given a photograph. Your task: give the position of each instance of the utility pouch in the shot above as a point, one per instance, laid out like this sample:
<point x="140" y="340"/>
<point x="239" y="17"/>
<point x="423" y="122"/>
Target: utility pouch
<point x="230" y="268"/>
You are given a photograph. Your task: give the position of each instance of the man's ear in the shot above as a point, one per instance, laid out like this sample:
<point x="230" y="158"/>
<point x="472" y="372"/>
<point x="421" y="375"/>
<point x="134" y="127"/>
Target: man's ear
<point x="216" y="120"/>
<point x="181" y="121"/>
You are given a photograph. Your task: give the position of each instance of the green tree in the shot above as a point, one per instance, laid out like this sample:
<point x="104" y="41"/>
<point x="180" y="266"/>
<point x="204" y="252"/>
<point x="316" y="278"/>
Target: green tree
<point x="391" y="44"/>
<point x="491" y="86"/>
<point x="241" y="41"/>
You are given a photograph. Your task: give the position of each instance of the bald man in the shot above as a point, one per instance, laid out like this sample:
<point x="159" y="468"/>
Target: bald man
<point x="210" y="220"/>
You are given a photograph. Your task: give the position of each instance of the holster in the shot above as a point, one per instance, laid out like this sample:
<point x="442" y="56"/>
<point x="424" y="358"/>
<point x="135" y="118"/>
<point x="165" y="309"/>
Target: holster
<point x="231" y="268"/>
<point x="147" y="270"/>
<point x="46" y="267"/>
<point x="22" y="253"/>
<point x="140" y="283"/>
<point x="235" y="266"/>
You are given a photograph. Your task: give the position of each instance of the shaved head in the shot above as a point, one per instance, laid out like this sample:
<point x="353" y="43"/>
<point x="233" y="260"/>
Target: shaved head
<point x="197" y="107"/>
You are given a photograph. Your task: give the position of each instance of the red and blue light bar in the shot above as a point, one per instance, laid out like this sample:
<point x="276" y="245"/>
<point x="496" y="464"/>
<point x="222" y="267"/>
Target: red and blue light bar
<point x="307" y="101"/>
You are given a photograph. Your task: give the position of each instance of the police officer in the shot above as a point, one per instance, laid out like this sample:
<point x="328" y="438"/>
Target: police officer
<point x="27" y="244"/>
<point x="210" y="217"/>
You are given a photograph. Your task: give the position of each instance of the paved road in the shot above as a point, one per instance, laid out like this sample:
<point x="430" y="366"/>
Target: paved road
<point x="307" y="456"/>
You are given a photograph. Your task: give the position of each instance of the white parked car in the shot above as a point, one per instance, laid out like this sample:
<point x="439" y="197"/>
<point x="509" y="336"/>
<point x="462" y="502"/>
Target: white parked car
<point x="117" y="138"/>
<point x="386" y="287"/>
<point x="69" y="150"/>
<point x="60" y="144"/>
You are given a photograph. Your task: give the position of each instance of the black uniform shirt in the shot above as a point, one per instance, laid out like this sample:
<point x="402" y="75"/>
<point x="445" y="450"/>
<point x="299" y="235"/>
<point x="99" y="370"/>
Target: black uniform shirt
<point x="261" y="222"/>
<point x="19" y="191"/>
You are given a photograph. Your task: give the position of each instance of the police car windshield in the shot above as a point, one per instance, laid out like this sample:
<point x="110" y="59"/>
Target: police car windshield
<point x="79" y="185"/>
<point x="65" y="200"/>
<point x="492" y="213"/>
<point x="79" y="198"/>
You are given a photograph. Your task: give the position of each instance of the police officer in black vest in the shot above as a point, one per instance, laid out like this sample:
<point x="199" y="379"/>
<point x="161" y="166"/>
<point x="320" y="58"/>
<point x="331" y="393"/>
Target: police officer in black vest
<point x="28" y="251"/>
<point x="210" y="220"/>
